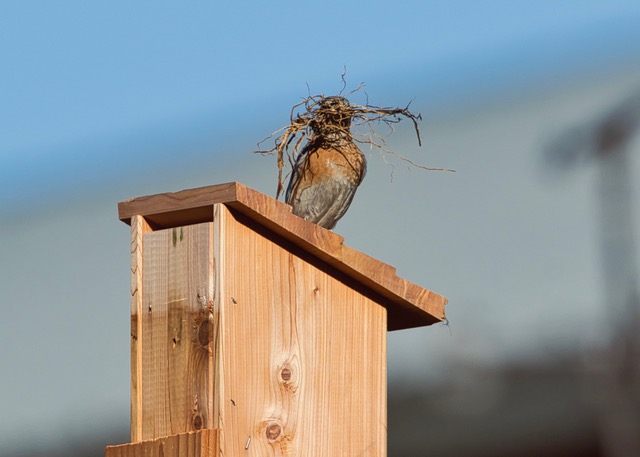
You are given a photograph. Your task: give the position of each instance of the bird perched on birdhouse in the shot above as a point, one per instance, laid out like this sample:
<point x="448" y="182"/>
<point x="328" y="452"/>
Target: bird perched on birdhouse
<point x="329" y="169"/>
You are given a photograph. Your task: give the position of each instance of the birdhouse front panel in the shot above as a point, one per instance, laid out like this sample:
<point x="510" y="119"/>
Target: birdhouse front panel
<point x="301" y="361"/>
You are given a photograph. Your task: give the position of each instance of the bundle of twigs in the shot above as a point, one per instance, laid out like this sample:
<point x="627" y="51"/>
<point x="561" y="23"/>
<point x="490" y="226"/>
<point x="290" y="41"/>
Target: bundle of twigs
<point x="314" y="118"/>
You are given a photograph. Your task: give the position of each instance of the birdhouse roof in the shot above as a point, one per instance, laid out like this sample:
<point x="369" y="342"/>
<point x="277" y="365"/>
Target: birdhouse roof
<point x="408" y="305"/>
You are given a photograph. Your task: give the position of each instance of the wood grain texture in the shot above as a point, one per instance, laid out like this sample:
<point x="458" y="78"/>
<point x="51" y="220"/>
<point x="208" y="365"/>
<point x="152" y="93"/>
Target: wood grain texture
<point x="408" y="304"/>
<point x="203" y="443"/>
<point x="302" y="356"/>
<point x="175" y="355"/>
<point x="139" y="227"/>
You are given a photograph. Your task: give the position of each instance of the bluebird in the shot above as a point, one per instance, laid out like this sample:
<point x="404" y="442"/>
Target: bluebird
<point x="329" y="168"/>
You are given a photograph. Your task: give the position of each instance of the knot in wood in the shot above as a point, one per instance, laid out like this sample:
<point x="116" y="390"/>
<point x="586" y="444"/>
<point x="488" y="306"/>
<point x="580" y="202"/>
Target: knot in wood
<point x="285" y="374"/>
<point x="204" y="333"/>
<point x="197" y="422"/>
<point x="273" y="431"/>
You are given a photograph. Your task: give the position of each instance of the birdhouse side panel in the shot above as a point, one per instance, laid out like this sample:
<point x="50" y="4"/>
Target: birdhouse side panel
<point x="302" y="362"/>
<point x="175" y="389"/>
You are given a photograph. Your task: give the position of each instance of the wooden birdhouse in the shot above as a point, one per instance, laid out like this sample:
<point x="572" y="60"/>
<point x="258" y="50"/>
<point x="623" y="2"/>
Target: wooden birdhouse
<point x="256" y="333"/>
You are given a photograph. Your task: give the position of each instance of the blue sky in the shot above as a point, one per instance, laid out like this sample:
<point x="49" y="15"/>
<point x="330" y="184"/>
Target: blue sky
<point x="87" y="86"/>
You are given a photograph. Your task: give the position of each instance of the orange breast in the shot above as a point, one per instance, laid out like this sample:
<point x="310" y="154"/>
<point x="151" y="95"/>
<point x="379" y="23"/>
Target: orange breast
<point x="324" y="182"/>
<point x="346" y="162"/>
